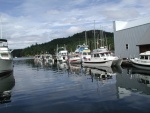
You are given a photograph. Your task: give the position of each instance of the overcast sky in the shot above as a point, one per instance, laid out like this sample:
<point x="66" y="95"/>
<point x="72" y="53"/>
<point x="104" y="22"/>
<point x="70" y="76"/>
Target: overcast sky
<point x="26" y="22"/>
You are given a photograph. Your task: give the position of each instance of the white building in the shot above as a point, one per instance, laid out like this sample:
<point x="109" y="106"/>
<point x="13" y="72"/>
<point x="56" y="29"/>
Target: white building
<point x="132" y="37"/>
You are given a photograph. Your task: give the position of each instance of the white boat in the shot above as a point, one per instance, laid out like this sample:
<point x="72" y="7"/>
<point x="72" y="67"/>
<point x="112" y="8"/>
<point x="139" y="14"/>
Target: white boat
<point x="97" y="61"/>
<point x="48" y="58"/>
<point x="85" y="54"/>
<point x="105" y="53"/>
<point x="6" y="59"/>
<point x="83" y="51"/>
<point x="74" y="59"/>
<point x="61" y="54"/>
<point x="143" y="62"/>
<point x="37" y="58"/>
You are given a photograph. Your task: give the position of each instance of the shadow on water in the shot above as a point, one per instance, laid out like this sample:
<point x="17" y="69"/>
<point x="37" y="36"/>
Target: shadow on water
<point x="7" y="82"/>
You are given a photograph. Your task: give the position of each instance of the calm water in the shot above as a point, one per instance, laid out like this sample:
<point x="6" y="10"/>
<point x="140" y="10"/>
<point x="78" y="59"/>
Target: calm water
<point x="46" y="88"/>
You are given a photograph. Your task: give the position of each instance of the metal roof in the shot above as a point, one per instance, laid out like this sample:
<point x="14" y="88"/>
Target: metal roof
<point x="145" y="39"/>
<point x="121" y="25"/>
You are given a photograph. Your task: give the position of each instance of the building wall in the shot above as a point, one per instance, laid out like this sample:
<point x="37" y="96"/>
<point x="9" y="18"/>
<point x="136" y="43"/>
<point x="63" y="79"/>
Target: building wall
<point x="128" y="37"/>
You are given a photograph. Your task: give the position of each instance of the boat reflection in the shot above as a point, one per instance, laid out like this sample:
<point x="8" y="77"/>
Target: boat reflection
<point x="133" y="80"/>
<point x="43" y="63"/>
<point x="75" y="68"/>
<point x="7" y="82"/>
<point x="62" y="66"/>
<point x="116" y="69"/>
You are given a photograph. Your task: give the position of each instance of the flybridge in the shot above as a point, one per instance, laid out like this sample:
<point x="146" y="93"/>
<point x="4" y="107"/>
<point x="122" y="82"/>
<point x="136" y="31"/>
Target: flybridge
<point x="3" y="43"/>
<point x="3" y="40"/>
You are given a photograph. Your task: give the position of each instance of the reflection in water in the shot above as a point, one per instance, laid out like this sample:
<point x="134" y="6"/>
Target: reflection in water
<point x="69" y="89"/>
<point x="7" y="82"/>
<point x="62" y="66"/>
<point x="39" y="63"/>
<point x="132" y="81"/>
<point x="75" y="69"/>
<point x="127" y="80"/>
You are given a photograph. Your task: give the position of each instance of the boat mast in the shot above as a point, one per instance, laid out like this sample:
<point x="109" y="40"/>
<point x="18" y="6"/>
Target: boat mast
<point x="85" y="38"/>
<point x="94" y="36"/>
<point x="1" y="25"/>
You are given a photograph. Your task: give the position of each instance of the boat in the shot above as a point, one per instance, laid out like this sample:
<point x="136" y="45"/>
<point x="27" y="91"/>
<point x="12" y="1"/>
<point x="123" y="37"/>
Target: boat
<point x="74" y="59"/>
<point x="83" y="51"/>
<point x="47" y="58"/>
<point x="97" y="61"/>
<point x="85" y="54"/>
<point x="37" y="58"/>
<point x="80" y="48"/>
<point x="105" y="53"/>
<point x="6" y="59"/>
<point x="143" y="62"/>
<point x="61" y="54"/>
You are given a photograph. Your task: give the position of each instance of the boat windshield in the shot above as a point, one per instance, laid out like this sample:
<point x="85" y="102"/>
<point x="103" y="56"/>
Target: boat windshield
<point x="3" y="44"/>
<point x="145" y="57"/>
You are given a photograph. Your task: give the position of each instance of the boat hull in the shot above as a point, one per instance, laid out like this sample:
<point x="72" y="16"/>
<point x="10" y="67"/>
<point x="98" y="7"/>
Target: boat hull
<point x="6" y="65"/>
<point x="97" y="64"/>
<point x="75" y="61"/>
<point x="140" y="65"/>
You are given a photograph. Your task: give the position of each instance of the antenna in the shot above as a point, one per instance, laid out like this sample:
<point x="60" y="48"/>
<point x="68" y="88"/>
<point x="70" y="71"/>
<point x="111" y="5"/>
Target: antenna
<point x="1" y="25"/>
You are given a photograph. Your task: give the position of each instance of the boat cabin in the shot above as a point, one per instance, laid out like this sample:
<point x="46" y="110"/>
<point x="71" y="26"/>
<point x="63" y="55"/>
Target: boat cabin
<point x="62" y="53"/>
<point x="145" y="55"/>
<point x="101" y="54"/>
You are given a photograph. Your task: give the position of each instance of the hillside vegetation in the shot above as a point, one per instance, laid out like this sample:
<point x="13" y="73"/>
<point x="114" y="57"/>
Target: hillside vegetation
<point x="69" y="42"/>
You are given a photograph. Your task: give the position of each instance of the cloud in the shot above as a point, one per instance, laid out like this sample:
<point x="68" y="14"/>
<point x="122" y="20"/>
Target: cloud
<point x="27" y="22"/>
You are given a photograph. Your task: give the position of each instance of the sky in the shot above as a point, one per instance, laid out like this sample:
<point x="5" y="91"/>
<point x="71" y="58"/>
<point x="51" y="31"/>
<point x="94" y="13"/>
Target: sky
<point x="27" y="22"/>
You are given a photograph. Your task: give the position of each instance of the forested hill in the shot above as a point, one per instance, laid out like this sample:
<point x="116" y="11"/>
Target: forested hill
<point x="70" y="42"/>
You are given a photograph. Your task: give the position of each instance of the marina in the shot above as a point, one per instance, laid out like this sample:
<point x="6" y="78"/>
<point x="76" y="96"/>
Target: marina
<point x="74" y="56"/>
<point x="72" y="88"/>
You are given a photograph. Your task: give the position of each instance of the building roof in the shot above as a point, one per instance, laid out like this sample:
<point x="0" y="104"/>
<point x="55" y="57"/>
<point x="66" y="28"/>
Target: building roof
<point x="145" y="39"/>
<point x="121" y="25"/>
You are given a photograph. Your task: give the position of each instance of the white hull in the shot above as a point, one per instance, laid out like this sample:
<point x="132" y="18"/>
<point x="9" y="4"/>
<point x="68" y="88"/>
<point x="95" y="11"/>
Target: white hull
<point x="96" y="64"/>
<point x="140" y="65"/>
<point x="75" y="61"/>
<point x="6" y="65"/>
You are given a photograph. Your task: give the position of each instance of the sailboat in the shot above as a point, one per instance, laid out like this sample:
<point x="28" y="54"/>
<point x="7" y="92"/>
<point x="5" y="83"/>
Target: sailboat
<point x="6" y="59"/>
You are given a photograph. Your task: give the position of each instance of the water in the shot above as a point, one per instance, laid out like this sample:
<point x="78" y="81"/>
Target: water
<point x="39" y="88"/>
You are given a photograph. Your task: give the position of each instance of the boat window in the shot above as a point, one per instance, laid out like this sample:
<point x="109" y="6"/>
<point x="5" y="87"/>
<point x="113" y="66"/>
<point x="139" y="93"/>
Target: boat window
<point x="102" y="54"/>
<point x="89" y="53"/>
<point x="3" y="44"/>
<point x="96" y="55"/>
<point x="146" y="57"/>
<point x="4" y="54"/>
<point x="142" y="57"/>
<point x="84" y="53"/>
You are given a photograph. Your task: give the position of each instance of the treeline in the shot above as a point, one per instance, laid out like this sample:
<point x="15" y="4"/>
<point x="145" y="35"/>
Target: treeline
<point x="102" y="38"/>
